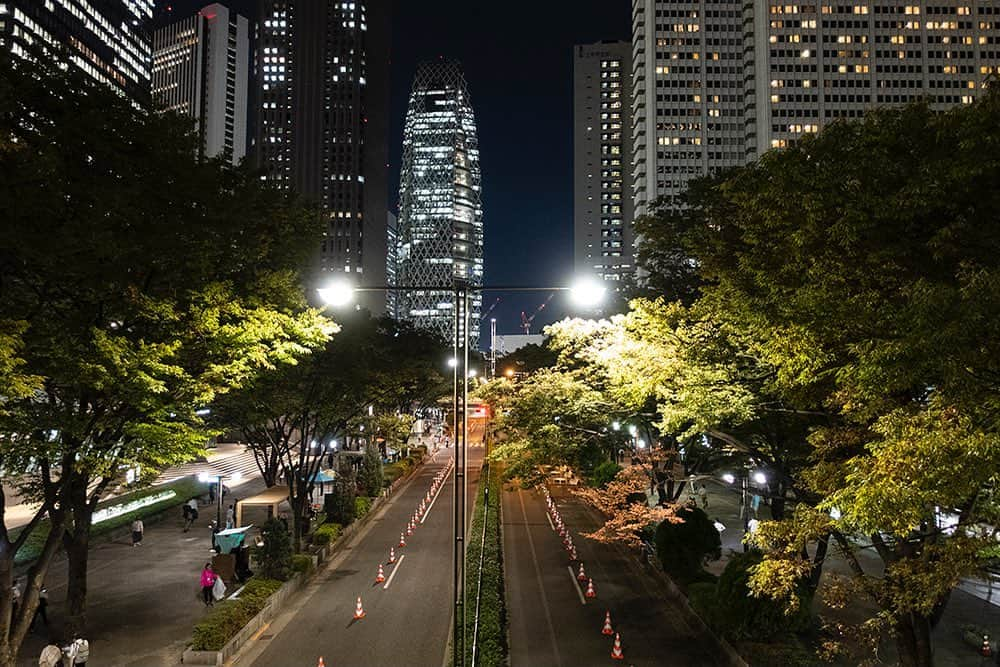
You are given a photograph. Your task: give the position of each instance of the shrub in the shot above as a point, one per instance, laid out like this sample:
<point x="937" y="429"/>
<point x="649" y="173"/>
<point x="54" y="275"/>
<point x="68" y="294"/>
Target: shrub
<point x="371" y="476"/>
<point x="493" y="613"/>
<point x="302" y="563"/>
<point x="604" y="473"/>
<point x="732" y="611"/>
<point x="276" y="555"/>
<point x="391" y="473"/>
<point x="684" y="548"/>
<point x="326" y="534"/>
<point x="361" y="506"/>
<point x="340" y="504"/>
<point x="228" y="617"/>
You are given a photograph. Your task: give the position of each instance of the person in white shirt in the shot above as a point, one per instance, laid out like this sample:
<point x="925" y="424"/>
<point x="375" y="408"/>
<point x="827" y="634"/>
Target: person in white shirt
<point x="52" y="656"/>
<point x="78" y="652"/>
<point x="137" y="530"/>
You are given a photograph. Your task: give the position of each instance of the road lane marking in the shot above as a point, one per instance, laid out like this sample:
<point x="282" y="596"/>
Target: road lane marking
<point x="538" y="576"/>
<point x="434" y="500"/>
<point x="395" y="569"/>
<point x="551" y="525"/>
<point x="576" y="585"/>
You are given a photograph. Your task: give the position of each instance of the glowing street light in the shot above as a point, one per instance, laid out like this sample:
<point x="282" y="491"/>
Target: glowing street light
<point x="587" y="293"/>
<point x="452" y="362"/>
<point x="337" y="293"/>
<point x="728" y="478"/>
<point x="760" y="477"/>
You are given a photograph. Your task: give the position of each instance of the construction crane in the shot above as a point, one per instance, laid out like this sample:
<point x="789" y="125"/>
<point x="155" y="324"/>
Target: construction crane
<point x="526" y="321"/>
<point x="491" y="309"/>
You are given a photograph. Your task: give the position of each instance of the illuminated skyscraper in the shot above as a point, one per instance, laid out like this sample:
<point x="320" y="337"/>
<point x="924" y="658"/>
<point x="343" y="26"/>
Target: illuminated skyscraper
<point x="440" y="242"/>
<point x="109" y="40"/>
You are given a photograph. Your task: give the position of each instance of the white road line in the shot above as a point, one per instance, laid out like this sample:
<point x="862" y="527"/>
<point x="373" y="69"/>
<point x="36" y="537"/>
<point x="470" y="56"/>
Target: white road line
<point x="433" y="500"/>
<point x="395" y="569"/>
<point x="551" y="525"/>
<point x="576" y="585"/>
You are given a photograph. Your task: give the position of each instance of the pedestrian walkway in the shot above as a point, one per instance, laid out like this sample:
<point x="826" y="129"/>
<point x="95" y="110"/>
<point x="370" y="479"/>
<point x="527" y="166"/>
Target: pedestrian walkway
<point x="964" y="607"/>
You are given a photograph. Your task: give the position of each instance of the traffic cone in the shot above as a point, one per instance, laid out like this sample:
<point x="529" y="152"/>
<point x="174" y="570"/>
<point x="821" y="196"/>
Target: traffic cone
<point x="380" y="577"/>
<point x="321" y="663"/>
<point x="591" y="593"/>
<point x="359" y="612"/>
<point x="581" y="575"/>
<point x="392" y="555"/>
<point x="402" y="542"/>
<point x="616" y="650"/>
<point x="607" y="630"/>
<point x="986" y="650"/>
<point x="409" y="529"/>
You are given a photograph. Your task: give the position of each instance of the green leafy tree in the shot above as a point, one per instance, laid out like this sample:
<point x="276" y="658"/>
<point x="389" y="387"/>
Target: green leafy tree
<point x="686" y="543"/>
<point x="275" y="555"/>
<point x="147" y="284"/>
<point x="863" y="266"/>
<point x="341" y="505"/>
<point x="371" y="472"/>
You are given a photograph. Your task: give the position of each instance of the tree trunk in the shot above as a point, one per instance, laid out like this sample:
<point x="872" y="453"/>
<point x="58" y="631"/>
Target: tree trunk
<point x="817" y="569"/>
<point x="77" y="545"/>
<point x="913" y="641"/>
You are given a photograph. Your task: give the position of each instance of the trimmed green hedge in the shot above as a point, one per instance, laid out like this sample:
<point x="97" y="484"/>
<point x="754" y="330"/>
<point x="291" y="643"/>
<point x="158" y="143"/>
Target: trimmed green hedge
<point x="326" y="534"/>
<point x="492" y="639"/>
<point x="184" y="489"/>
<point x="361" y="506"/>
<point x="229" y="616"/>
<point x="302" y="563"/>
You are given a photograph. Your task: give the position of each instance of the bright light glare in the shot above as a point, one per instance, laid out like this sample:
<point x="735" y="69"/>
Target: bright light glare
<point x="237" y="476"/>
<point x="728" y="478"/>
<point x="472" y="372"/>
<point x="641" y="443"/>
<point x="616" y="426"/>
<point x="632" y="430"/>
<point x="337" y="293"/>
<point x="510" y="372"/>
<point x="760" y="477"/>
<point x="203" y="477"/>
<point x="587" y="293"/>
<point x="452" y="362"/>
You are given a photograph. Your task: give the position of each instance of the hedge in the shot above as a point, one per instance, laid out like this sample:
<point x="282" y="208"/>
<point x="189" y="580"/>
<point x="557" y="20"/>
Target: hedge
<point x="302" y="563"/>
<point x="327" y="533"/>
<point x="228" y="617"/>
<point x="492" y="639"/>
<point x="361" y="506"/>
<point x="184" y="489"/>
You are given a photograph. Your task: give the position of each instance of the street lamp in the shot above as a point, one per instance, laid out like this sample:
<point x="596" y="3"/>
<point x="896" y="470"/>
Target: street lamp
<point x="338" y="293"/>
<point x="206" y="478"/>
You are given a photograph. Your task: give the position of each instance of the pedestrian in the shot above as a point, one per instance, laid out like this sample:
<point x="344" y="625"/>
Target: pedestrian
<point x="230" y="516"/>
<point x="40" y="610"/>
<point x="78" y="652"/>
<point x="15" y="599"/>
<point x="52" y="656"/>
<point x="190" y="513"/>
<point x="703" y="495"/>
<point x="208" y="578"/>
<point x="137" y="530"/>
<point x="755" y="504"/>
<point x="211" y="492"/>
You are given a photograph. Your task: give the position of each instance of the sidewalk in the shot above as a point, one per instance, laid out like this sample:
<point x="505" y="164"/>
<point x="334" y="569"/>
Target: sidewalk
<point x="142" y="601"/>
<point x="963" y="607"/>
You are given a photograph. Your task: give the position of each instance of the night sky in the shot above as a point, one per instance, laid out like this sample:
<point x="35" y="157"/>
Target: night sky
<point x="518" y="60"/>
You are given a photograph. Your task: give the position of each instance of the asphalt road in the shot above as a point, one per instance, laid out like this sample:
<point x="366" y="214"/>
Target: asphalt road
<point x="550" y="622"/>
<point x="405" y="624"/>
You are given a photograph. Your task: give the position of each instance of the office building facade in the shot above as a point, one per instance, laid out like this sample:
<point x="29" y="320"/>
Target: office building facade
<point x="201" y="69"/>
<point x="322" y="124"/>
<point x="602" y="157"/>
<point x="440" y="230"/>
<point x="719" y="82"/>
<point x="109" y="40"/>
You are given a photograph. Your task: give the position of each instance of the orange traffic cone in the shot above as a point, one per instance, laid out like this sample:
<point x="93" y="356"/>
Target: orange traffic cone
<point x="607" y="630"/>
<point x="591" y="593"/>
<point x="616" y="650"/>
<point x="409" y="529"/>
<point x="380" y="577"/>
<point x="402" y="541"/>
<point x="359" y="612"/>
<point x="392" y="555"/>
<point x="321" y="663"/>
<point x="581" y="575"/>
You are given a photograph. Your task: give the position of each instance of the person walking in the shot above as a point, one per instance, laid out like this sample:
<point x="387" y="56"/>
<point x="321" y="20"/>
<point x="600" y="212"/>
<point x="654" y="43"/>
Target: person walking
<point x="78" y="652"/>
<point x="208" y="578"/>
<point x="52" y="656"/>
<point x="703" y="495"/>
<point x="190" y="513"/>
<point x="230" y="517"/>
<point x="137" y="530"/>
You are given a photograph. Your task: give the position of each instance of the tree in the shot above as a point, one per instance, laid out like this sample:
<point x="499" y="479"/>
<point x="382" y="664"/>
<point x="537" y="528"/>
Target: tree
<point x="623" y="501"/>
<point x="276" y="553"/>
<point x="340" y="506"/>
<point x="371" y="472"/>
<point x="146" y="282"/>
<point x="685" y="545"/>
<point x="862" y="264"/>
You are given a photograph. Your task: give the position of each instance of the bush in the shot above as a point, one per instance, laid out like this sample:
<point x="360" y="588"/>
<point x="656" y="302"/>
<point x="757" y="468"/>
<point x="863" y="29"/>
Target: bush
<point x="732" y="611"/>
<point x="604" y="473"/>
<point x="228" y="617"/>
<point x="371" y="476"/>
<point x="276" y="555"/>
<point x="361" y="506"/>
<point x="684" y="548"/>
<point x="340" y="504"/>
<point x="302" y="563"/>
<point x="493" y="612"/>
<point x="391" y="473"/>
<point x="326" y="534"/>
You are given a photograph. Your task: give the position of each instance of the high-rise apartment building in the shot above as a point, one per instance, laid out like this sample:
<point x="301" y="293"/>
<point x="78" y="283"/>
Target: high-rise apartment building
<point x="322" y="73"/>
<point x="602" y="159"/>
<point x="719" y="82"/>
<point x="440" y="235"/>
<point x="109" y="40"/>
<point x="201" y="69"/>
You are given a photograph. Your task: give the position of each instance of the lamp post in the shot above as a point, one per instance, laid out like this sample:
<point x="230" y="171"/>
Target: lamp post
<point x="586" y="293"/>
<point x="206" y="478"/>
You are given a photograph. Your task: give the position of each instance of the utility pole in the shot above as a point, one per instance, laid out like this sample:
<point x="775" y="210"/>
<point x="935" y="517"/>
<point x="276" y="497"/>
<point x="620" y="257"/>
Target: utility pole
<point x="493" y="347"/>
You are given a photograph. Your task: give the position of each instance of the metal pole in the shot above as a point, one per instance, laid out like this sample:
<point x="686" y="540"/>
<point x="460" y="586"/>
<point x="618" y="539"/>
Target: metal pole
<point x="458" y="430"/>
<point x="493" y="347"/>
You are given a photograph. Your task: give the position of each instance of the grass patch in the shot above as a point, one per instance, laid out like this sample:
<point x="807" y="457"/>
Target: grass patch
<point x="229" y="616"/>
<point x="183" y="490"/>
<point x="492" y="638"/>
